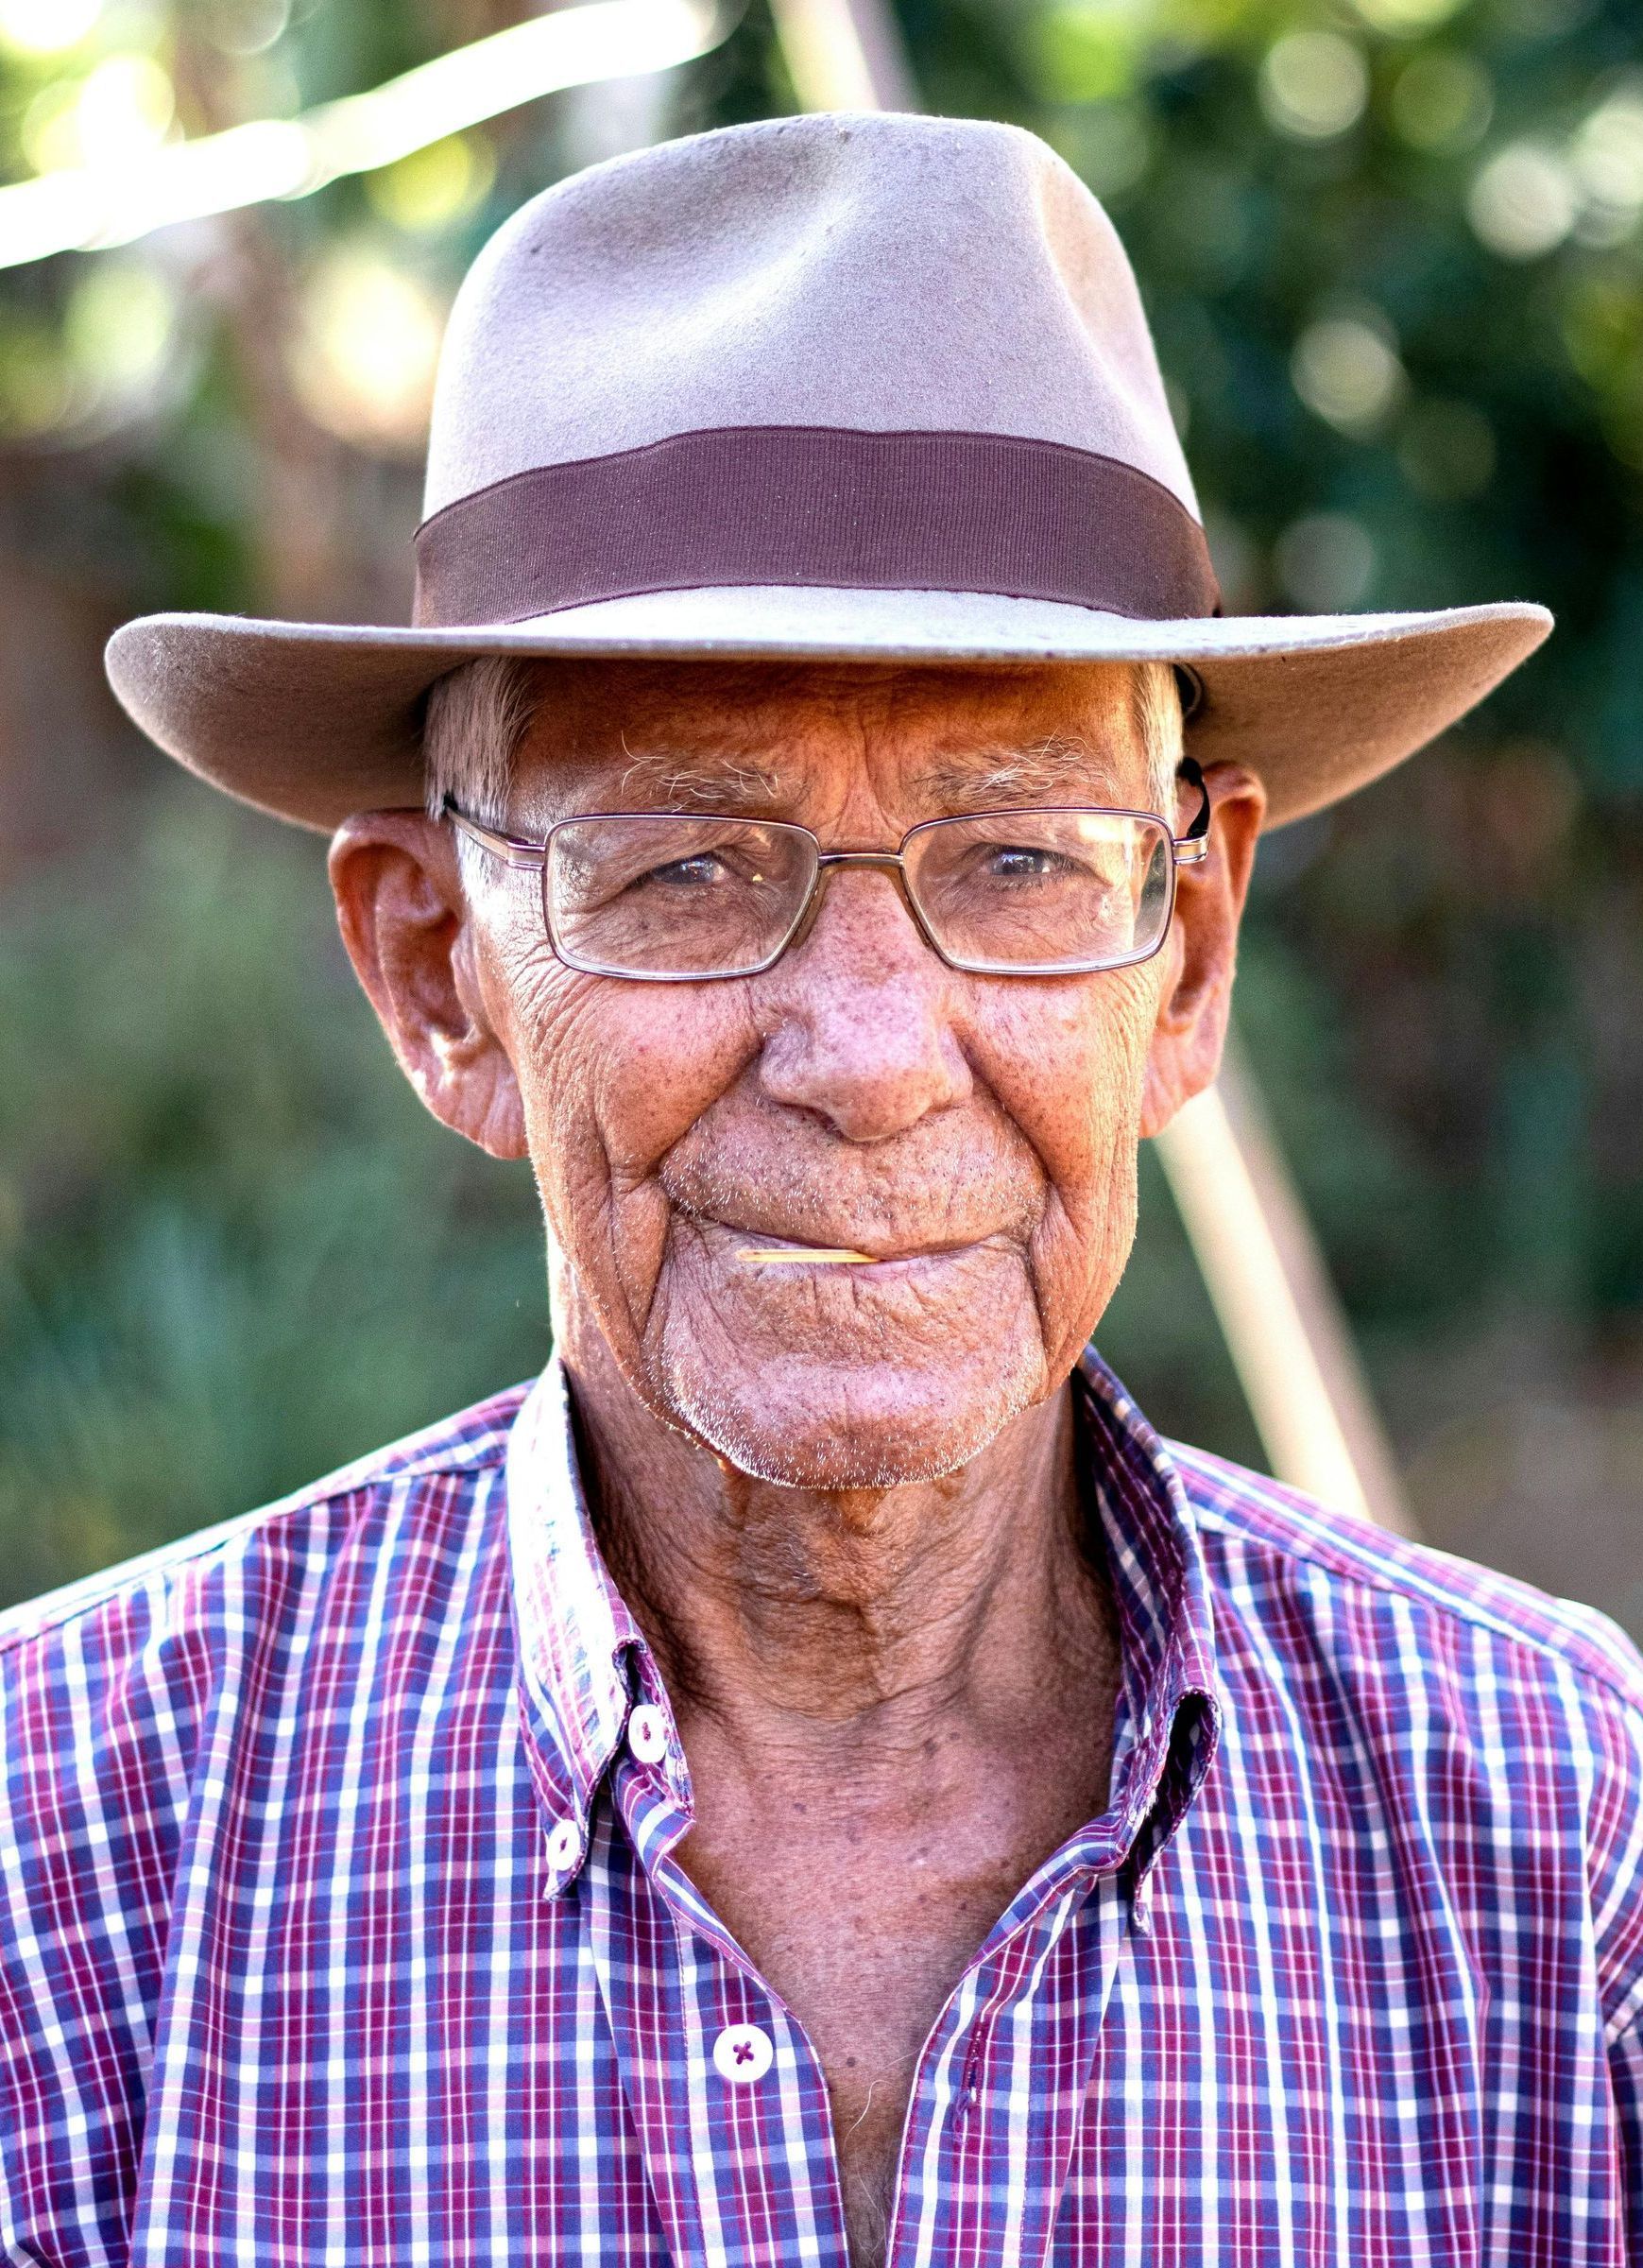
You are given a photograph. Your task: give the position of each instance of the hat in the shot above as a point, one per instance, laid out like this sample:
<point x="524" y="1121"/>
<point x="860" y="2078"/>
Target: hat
<point x="873" y="389"/>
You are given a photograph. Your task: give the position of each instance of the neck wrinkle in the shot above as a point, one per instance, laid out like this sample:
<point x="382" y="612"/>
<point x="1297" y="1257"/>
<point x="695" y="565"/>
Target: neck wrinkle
<point x="789" y="1616"/>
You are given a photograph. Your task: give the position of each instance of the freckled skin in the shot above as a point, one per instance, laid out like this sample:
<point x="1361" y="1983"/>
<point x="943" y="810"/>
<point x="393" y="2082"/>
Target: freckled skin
<point x="843" y="1503"/>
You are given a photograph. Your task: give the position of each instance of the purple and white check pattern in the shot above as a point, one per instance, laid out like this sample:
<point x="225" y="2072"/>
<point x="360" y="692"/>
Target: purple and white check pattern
<point x="341" y="1925"/>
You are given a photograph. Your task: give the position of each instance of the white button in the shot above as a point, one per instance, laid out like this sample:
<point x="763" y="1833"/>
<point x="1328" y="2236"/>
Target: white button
<point x="743" y="2052"/>
<point x="564" y="1846"/>
<point x="647" y="1734"/>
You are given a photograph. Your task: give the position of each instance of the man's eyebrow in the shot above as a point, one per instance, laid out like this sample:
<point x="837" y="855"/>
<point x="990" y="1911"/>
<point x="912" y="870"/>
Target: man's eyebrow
<point x="701" y="784"/>
<point x="1051" y="769"/>
<point x="1044" y="770"/>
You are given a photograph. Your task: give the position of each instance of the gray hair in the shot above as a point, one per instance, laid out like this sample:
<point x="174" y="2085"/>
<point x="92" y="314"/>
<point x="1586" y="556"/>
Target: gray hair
<point x="478" y="714"/>
<point x="475" y="719"/>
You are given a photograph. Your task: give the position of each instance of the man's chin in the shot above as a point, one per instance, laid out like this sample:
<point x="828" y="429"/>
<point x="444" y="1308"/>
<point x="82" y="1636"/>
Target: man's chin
<point x="813" y="1426"/>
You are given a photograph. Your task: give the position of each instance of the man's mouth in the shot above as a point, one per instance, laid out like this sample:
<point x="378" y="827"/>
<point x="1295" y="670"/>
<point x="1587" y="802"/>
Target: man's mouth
<point x="788" y="1251"/>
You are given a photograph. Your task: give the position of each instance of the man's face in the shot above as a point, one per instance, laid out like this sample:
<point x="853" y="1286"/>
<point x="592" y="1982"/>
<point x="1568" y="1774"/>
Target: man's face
<point x="975" y="1135"/>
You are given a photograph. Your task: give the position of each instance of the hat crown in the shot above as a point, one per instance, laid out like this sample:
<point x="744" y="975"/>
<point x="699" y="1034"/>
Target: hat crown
<point x="871" y="389"/>
<point x="878" y="274"/>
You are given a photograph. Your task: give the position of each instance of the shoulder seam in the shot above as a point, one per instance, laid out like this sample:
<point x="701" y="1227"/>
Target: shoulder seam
<point x="1473" y="1614"/>
<point x="88" y="1593"/>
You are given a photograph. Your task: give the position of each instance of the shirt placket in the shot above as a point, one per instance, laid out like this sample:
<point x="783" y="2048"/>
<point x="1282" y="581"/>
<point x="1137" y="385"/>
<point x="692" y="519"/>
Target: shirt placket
<point x="727" y="2096"/>
<point x="728" y="2099"/>
<point x="999" y="2091"/>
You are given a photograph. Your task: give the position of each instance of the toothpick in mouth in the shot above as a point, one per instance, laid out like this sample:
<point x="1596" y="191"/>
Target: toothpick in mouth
<point x="772" y="1256"/>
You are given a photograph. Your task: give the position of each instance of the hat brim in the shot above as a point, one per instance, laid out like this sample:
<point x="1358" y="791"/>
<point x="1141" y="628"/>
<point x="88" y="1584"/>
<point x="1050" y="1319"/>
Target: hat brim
<point x="316" y="721"/>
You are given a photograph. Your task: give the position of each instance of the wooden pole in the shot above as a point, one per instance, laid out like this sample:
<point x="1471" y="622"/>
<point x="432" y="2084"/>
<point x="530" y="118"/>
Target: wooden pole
<point x="1285" y="1331"/>
<point x="845" y="55"/>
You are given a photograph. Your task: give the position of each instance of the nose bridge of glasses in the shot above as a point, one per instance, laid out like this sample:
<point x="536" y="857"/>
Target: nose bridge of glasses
<point x="890" y="863"/>
<point x="891" y="859"/>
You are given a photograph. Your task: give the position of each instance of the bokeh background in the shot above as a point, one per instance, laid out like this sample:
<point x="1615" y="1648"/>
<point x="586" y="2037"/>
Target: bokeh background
<point x="1393" y="251"/>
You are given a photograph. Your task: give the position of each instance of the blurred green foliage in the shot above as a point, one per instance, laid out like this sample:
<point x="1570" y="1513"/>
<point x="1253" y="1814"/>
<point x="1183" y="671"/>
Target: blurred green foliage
<point x="232" y="1249"/>
<point x="1392" y="253"/>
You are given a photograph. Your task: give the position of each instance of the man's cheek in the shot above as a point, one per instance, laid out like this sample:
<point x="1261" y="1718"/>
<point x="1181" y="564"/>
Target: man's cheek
<point x="659" y="1071"/>
<point x="1073" y="1085"/>
<point x="617" y="1075"/>
<point x="557" y="1055"/>
<point x="1070" y="1072"/>
<point x="594" y="1057"/>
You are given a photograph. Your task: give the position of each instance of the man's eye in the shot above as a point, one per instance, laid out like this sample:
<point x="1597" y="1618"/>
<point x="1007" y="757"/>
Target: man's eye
<point x="698" y="873"/>
<point x="1018" y="862"/>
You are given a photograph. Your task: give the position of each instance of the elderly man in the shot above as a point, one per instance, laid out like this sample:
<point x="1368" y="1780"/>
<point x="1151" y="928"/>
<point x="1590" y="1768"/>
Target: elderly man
<point x="816" y="1780"/>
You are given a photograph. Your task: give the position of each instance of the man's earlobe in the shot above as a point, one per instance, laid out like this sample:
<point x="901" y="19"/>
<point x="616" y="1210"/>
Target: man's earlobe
<point x="405" y="920"/>
<point x="1202" y="952"/>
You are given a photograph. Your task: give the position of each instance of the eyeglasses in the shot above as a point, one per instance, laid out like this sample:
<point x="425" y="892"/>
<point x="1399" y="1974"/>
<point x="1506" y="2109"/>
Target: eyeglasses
<point x="673" y="898"/>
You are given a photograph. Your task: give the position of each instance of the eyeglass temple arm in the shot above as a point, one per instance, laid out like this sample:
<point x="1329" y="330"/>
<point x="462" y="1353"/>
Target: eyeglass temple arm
<point x="509" y="848"/>
<point x="1193" y="847"/>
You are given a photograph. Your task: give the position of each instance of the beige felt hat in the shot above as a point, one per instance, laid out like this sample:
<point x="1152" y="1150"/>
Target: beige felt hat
<point x="871" y="388"/>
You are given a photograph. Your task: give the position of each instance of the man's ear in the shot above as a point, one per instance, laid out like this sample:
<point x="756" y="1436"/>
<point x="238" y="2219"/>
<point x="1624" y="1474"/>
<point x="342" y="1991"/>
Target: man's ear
<point x="406" y="921"/>
<point x="1185" y="1053"/>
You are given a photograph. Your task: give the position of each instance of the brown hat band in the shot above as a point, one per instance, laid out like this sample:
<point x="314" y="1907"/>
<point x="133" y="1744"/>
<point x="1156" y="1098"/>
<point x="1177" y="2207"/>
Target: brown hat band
<point x="819" y="505"/>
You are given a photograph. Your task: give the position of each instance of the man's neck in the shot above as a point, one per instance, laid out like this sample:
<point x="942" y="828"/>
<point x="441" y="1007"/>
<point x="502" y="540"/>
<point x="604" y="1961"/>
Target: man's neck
<point x="845" y="1621"/>
<point x="897" y="1703"/>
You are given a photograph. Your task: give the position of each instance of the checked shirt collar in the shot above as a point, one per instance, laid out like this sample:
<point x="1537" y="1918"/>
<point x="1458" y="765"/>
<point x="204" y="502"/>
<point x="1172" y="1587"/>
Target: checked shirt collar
<point x="584" y="1664"/>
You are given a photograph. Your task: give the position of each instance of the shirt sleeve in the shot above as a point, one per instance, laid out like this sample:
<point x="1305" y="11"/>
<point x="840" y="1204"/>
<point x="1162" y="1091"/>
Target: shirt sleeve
<point x="1614" y="1860"/>
<point x="1626" y="2076"/>
<point x="96" y="1735"/>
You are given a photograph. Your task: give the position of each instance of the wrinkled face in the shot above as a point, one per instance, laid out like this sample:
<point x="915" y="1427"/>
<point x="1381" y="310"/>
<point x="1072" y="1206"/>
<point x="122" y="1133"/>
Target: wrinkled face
<point x="975" y="1136"/>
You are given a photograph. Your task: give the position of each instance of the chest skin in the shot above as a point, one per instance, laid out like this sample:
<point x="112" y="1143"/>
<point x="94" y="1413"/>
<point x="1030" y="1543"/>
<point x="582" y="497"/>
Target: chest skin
<point x="862" y="1896"/>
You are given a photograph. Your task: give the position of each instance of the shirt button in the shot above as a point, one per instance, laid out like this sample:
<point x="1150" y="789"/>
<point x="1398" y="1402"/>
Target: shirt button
<point x="564" y="1846"/>
<point x="741" y="2054"/>
<point x="647" y="1734"/>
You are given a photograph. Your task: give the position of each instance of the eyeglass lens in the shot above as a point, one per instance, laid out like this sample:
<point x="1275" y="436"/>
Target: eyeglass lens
<point x="664" y="894"/>
<point x="1042" y="889"/>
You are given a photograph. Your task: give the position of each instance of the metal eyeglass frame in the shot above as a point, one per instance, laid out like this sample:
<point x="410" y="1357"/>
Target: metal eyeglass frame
<point x="531" y="856"/>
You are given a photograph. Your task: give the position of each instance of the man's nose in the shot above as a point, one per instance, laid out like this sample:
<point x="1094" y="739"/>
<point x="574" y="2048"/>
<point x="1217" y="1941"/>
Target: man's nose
<point x="858" y="1014"/>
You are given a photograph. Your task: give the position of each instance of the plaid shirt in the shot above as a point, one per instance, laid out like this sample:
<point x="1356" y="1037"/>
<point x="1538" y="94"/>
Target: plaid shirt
<point x="342" y="1922"/>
